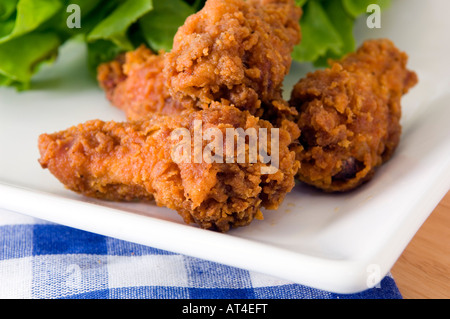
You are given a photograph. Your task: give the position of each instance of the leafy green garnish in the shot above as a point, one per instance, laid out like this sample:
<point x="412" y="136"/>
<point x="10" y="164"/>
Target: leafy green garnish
<point x="101" y="51"/>
<point x="318" y="34"/>
<point x="31" y="31"/>
<point x="21" y="57"/>
<point x="115" y="25"/>
<point x="327" y="28"/>
<point x="358" y="7"/>
<point x="30" y="15"/>
<point x="160" y="25"/>
<point x="7" y="8"/>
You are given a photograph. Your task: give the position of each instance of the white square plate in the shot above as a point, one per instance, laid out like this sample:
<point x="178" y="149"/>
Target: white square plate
<point x="341" y="243"/>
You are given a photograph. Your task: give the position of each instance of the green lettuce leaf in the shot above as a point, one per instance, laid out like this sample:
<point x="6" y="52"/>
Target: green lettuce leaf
<point x="6" y="28"/>
<point x="92" y="12"/>
<point x="7" y="8"/>
<point x="160" y="25"/>
<point x="31" y="31"/>
<point x="318" y="34"/>
<point x="30" y="15"/>
<point x="358" y="7"/>
<point x="22" y="56"/>
<point x="115" y="26"/>
<point x="343" y="24"/>
<point x="327" y="28"/>
<point x="99" y="52"/>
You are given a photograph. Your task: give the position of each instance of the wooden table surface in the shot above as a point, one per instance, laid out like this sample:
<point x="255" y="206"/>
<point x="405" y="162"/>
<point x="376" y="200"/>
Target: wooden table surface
<point x="423" y="270"/>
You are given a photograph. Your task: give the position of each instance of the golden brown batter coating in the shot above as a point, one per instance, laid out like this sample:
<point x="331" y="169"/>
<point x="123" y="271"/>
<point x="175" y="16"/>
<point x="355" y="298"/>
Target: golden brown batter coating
<point x="127" y="161"/>
<point x="133" y="160"/>
<point x="349" y="115"/>
<point x="135" y="83"/>
<point x="235" y="52"/>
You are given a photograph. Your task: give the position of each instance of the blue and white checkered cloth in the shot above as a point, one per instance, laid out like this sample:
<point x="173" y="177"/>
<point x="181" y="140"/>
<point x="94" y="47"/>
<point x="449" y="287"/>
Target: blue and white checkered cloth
<point x="43" y="260"/>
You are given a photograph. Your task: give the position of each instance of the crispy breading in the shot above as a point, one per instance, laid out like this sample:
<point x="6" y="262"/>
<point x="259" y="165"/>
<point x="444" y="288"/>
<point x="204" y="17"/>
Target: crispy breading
<point x="349" y="115"/>
<point x="234" y="52"/>
<point x="134" y="160"/>
<point x="135" y="83"/>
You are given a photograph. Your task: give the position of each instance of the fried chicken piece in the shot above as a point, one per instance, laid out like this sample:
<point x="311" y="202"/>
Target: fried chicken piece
<point x="135" y="160"/>
<point x="236" y="52"/>
<point x="349" y="115"/>
<point x="135" y="83"/>
<point x="127" y="161"/>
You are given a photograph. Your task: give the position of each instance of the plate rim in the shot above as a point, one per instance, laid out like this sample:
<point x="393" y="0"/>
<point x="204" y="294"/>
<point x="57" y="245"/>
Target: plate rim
<point x="344" y="276"/>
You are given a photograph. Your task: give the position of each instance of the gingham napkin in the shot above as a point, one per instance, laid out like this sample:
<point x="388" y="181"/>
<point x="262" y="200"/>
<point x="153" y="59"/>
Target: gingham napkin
<point x="43" y="260"/>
